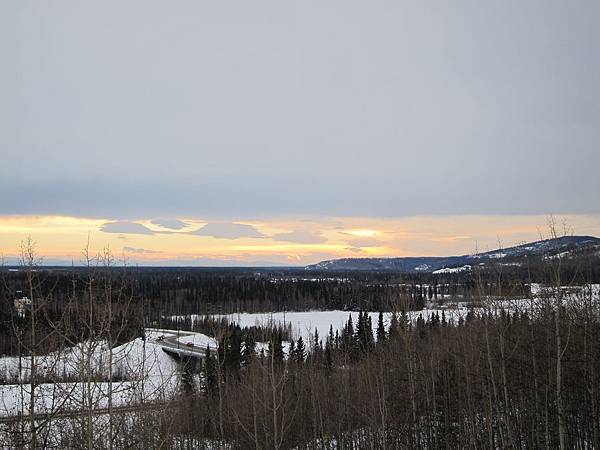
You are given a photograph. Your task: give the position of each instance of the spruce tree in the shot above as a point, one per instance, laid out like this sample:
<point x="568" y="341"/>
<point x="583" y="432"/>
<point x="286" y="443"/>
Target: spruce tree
<point x="330" y="336"/>
<point x="317" y="348"/>
<point x="360" y="327"/>
<point x="349" y="334"/>
<point x="210" y="372"/>
<point x="233" y="350"/>
<point x="275" y="349"/>
<point x="249" y="348"/>
<point x="329" y="346"/>
<point x="329" y="353"/>
<point x="300" y="351"/>
<point x="380" y="329"/>
<point x="369" y="340"/>
<point x="358" y="346"/>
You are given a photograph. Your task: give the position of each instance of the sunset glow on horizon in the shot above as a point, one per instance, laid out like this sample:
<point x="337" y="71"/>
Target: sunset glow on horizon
<point x="274" y="241"/>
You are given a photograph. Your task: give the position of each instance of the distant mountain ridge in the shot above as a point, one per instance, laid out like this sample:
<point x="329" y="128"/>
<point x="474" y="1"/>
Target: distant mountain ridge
<point x="446" y="264"/>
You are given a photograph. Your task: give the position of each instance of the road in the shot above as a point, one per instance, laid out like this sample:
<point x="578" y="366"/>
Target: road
<point x="171" y="343"/>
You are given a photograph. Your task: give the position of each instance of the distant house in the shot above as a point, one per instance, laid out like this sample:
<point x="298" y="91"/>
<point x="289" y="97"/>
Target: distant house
<point x="22" y="304"/>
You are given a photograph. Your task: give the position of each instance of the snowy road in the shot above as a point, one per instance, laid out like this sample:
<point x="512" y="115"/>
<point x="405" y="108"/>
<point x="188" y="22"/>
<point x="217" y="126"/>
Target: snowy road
<point x="184" y="343"/>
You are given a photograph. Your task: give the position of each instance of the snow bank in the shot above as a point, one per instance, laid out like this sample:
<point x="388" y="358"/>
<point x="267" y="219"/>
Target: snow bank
<point x="149" y="372"/>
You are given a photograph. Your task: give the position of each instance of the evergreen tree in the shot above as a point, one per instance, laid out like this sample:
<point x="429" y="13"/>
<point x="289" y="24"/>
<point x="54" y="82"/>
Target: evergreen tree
<point x="362" y="341"/>
<point x="300" y="351"/>
<point x="381" y="336"/>
<point x="275" y="349"/>
<point x="369" y="340"/>
<point x="331" y="337"/>
<point x="233" y="350"/>
<point x="249" y="348"/>
<point x="210" y="372"/>
<point x="347" y="338"/>
<point x="329" y="354"/>
<point x="317" y="348"/>
<point x="329" y="347"/>
<point x="358" y="341"/>
<point x="360" y="327"/>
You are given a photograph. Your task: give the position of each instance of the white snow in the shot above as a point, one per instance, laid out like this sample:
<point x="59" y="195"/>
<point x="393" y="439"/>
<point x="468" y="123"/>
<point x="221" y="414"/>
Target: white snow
<point x="305" y="323"/>
<point x="453" y="269"/>
<point x="150" y="374"/>
<point x="560" y="255"/>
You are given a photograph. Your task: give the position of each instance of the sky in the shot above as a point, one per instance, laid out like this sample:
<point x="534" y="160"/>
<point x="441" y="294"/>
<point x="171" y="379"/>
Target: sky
<point x="224" y="133"/>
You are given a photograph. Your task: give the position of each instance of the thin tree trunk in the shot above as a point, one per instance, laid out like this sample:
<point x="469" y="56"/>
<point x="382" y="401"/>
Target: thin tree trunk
<point x="559" y="401"/>
<point x="33" y="354"/>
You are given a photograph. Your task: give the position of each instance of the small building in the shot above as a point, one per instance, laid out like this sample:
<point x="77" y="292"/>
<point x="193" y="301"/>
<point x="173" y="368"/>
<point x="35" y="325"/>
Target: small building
<point x="22" y="304"/>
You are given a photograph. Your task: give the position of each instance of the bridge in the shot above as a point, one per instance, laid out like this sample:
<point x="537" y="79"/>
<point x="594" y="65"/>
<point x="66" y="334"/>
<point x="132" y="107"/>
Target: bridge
<point x="170" y="343"/>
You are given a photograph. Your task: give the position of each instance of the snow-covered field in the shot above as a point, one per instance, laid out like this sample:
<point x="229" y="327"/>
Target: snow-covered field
<point x="306" y="322"/>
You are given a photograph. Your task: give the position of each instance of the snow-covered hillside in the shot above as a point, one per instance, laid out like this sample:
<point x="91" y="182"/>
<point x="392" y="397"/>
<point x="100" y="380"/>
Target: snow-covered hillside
<point x="147" y="372"/>
<point x="566" y="246"/>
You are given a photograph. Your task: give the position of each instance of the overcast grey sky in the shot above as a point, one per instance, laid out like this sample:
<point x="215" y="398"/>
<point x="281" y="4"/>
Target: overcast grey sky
<point x="385" y="108"/>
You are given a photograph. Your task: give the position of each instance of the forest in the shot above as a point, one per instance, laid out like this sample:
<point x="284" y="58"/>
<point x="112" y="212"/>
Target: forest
<point x="149" y="296"/>
<point x="518" y="378"/>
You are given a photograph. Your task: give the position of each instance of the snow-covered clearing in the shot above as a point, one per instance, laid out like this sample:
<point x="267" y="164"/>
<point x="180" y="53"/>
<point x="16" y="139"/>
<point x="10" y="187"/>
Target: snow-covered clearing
<point x="305" y="323"/>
